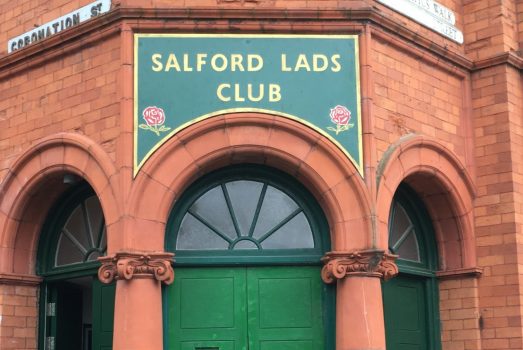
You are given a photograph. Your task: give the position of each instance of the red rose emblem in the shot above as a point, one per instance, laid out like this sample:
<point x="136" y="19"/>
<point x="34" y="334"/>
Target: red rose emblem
<point x="153" y="116"/>
<point x="340" y="115"/>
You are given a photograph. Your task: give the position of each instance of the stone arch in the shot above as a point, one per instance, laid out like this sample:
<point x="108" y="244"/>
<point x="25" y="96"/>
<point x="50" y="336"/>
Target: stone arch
<point x="35" y="180"/>
<point x="444" y="185"/>
<point x="261" y="139"/>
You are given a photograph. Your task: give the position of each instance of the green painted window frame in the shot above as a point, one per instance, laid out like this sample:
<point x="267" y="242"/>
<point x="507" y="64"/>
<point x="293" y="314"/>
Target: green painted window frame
<point x="427" y="267"/>
<point x="294" y="257"/>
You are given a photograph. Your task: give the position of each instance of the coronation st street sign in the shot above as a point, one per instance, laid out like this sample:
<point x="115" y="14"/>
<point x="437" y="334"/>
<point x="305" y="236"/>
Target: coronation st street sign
<point x="56" y="26"/>
<point x="183" y="79"/>
<point x="430" y="14"/>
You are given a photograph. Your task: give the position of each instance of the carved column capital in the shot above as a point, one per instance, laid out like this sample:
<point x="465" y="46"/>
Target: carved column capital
<point x="370" y="263"/>
<point x="128" y="265"/>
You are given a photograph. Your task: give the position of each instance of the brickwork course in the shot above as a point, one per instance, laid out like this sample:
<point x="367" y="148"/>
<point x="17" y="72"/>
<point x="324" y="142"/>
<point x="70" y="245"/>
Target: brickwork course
<point x="442" y="117"/>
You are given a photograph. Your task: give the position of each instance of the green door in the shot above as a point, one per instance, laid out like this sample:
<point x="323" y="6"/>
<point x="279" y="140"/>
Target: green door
<point x="284" y="308"/>
<point x="103" y="315"/>
<point x="230" y="230"/>
<point x="206" y="309"/>
<point x="246" y="308"/>
<point x="410" y="300"/>
<point x="405" y="310"/>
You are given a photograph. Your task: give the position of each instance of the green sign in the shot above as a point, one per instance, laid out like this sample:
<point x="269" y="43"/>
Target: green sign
<point x="181" y="79"/>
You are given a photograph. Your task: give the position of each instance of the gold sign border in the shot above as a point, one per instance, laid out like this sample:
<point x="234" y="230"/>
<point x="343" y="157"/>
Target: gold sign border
<point x="137" y="166"/>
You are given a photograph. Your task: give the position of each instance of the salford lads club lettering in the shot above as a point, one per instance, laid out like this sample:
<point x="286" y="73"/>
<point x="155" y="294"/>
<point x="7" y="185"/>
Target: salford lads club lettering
<point x="230" y="91"/>
<point x="182" y="79"/>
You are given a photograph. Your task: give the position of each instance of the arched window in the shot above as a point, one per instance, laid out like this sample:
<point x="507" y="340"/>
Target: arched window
<point x="411" y="299"/>
<point x="248" y="242"/>
<point x="82" y="236"/>
<point x="247" y="214"/>
<point x="76" y="311"/>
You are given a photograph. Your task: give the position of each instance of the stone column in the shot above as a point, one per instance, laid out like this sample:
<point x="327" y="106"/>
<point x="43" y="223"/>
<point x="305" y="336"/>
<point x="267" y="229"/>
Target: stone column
<point x="359" y="306"/>
<point x="138" y="304"/>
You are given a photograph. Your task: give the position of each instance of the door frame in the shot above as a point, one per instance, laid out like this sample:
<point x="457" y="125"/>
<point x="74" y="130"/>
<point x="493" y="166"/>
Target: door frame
<point x="291" y="187"/>
<point x="427" y="268"/>
<point x="47" y="247"/>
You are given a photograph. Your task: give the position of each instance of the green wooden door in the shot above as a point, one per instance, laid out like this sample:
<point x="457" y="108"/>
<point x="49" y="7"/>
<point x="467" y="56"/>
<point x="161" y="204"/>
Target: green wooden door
<point x="284" y="308"/>
<point x="206" y="308"/>
<point x="405" y="313"/>
<point x="245" y="221"/>
<point x="410" y="300"/>
<point x="103" y="315"/>
<point x="246" y="308"/>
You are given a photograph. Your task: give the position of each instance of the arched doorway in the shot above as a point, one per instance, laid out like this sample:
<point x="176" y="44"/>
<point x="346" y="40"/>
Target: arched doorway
<point x="248" y="242"/>
<point x="76" y="311"/>
<point x="411" y="299"/>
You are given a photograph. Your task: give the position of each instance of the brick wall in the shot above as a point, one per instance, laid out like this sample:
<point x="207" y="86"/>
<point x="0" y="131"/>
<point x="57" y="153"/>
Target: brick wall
<point x="497" y="121"/>
<point x="76" y="92"/>
<point x="459" y="313"/>
<point x="490" y="28"/>
<point x="411" y="95"/>
<point x="19" y="314"/>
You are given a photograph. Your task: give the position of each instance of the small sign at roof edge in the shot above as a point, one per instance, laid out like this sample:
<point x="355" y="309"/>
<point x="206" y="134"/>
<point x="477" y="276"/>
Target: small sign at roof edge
<point x="56" y="26"/>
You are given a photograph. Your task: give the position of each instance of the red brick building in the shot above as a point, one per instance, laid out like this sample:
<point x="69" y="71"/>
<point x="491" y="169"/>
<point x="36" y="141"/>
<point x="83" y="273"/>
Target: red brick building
<point x="284" y="237"/>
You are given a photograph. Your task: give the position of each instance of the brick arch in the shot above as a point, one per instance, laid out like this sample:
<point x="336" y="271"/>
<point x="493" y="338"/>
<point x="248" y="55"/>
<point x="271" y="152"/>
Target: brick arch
<point x="35" y="180"/>
<point x="445" y="187"/>
<point x="260" y="139"/>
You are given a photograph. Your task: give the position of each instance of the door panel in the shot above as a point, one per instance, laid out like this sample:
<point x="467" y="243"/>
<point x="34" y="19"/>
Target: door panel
<point x="284" y="308"/>
<point x="404" y="300"/>
<point x="103" y="315"/>
<point x="276" y="308"/>
<point x="207" y="310"/>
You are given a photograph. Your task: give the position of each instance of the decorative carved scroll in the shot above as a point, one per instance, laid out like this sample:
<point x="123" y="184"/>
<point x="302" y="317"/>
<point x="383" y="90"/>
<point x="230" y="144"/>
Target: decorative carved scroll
<point x="126" y="266"/>
<point x="373" y="263"/>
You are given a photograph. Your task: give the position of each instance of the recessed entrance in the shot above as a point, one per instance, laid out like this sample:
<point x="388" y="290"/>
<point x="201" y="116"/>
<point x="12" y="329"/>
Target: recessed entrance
<point x="410" y="300"/>
<point x="248" y="242"/>
<point x="76" y="311"/>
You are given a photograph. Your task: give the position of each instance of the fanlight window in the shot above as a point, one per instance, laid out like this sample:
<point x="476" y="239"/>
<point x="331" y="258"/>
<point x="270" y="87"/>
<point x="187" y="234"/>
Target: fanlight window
<point x="402" y="235"/>
<point x="242" y="215"/>
<point x="82" y="238"/>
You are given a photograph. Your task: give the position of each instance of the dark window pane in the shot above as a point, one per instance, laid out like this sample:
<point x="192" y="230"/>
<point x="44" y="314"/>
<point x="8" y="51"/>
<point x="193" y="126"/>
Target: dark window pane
<point x="93" y="256"/>
<point x="195" y="235"/>
<point x="399" y="225"/>
<point x="76" y="225"/>
<point x="213" y="208"/>
<point x="244" y="198"/>
<point x="94" y="212"/>
<point x="409" y="250"/>
<point x="276" y="207"/>
<point x="67" y="252"/>
<point x="80" y="234"/>
<point x="295" y="234"/>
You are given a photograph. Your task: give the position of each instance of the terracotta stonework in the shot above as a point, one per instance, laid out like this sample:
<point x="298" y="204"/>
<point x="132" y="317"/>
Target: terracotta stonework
<point x="126" y="266"/>
<point x="370" y="263"/>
